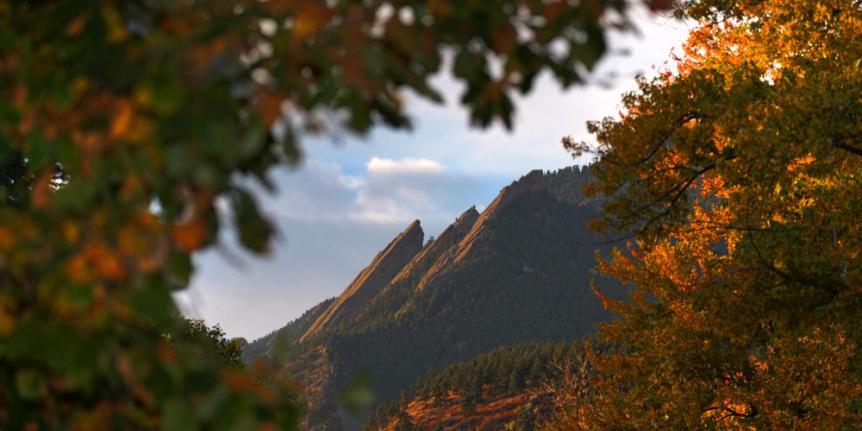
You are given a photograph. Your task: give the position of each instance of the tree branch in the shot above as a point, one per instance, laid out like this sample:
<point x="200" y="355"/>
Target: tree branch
<point x="661" y="142"/>
<point x="841" y="143"/>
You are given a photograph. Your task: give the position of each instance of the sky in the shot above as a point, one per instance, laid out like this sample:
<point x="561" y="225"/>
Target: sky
<point x="350" y="196"/>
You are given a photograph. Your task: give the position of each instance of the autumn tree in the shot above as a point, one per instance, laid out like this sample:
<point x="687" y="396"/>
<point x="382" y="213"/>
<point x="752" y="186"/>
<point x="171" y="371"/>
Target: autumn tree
<point x="740" y="174"/>
<point x="152" y="111"/>
<point x="198" y="333"/>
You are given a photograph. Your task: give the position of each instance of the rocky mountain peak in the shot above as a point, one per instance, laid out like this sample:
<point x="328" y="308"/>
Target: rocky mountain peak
<point x="438" y="249"/>
<point x="377" y="275"/>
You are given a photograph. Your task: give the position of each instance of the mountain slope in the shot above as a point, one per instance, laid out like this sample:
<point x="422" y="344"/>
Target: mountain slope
<point x="519" y="271"/>
<point x="291" y="332"/>
<point x="506" y="388"/>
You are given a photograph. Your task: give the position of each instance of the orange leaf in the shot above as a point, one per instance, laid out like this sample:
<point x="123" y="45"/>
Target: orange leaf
<point x="71" y="232"/>
<point x="122" y="121"/>
<point x="238" y="381"/>
<point x="107" y="263"/>
<point x="7" y="239"/>
<point x="310" y="18"/>
<point x="269" y="103"/>
<point x="42" y="190"/>
<point x="75" y="26"/>
<point x="190" y="235"/>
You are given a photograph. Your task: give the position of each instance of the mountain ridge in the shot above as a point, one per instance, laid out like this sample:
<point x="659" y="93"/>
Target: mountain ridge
<point x="376" y="276"/>
<point x="518" y="271"/>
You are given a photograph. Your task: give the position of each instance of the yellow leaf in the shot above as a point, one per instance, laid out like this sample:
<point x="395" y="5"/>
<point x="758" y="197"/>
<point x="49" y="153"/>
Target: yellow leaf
<point x="114" y="22"/>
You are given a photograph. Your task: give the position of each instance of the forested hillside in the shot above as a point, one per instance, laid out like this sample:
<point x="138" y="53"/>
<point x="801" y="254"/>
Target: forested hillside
<point x="506" y="388"/>
<point x="519" y="271"/>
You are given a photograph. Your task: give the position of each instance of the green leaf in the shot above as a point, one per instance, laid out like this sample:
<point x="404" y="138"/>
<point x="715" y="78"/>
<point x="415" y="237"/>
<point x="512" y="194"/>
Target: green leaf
<point x="178" y="415"/>
<point x="30" y="384"/>
<point x="153" y="303"/>
<point x="255" y="231"/>
<point x="180" y="268"/>
<point x="357" y="396"/>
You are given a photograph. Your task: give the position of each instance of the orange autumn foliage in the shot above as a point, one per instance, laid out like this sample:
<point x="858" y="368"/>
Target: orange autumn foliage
<point x="740" y="175"/>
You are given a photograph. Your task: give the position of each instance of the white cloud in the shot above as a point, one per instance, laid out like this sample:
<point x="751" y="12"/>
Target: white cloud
<point x="398" y="190"/>
<point x="317" y="190"/>
<point x="389" y="191"/>
<point x="379" y="166"/>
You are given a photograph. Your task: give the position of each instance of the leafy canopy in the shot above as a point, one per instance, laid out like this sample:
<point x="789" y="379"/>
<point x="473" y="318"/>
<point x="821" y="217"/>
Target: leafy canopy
<point x="741" y="174"/>
<point x="123" y="123"/>
<point x="228" y="352"/>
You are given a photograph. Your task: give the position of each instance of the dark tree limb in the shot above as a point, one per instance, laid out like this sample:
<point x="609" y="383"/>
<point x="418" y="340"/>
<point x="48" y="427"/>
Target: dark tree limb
<point x="842" y="144"/>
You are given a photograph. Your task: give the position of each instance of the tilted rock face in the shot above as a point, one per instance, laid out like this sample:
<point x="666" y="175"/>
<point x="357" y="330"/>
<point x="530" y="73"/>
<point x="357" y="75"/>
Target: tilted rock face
<point x="429" y="257"/>
<point x="377" y="275"/>
<point x="445" y="242"/>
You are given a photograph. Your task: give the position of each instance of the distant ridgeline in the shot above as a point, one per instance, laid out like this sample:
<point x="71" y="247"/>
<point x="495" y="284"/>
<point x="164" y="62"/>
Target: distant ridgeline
<point x="519" y="271"/>
<point x="266" y="345"/>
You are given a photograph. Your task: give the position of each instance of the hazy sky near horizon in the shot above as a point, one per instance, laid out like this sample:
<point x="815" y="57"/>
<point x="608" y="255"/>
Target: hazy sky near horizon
<point x="351" y="196"/>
